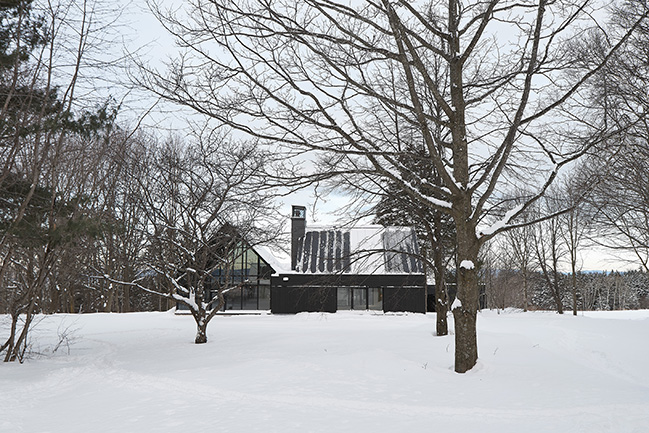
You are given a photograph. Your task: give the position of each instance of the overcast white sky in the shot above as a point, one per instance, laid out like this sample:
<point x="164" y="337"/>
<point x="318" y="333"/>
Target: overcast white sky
<point x="144" y="35"/>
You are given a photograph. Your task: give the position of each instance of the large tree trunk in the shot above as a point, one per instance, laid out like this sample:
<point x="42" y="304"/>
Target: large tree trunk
<point x="466" y="341"/>
<point x="202" y="318"/>
<point x="126" y="302"/>
<point x="464" y="312"/>
<point x="441" y="306"/>
<point x="466" y="305"/>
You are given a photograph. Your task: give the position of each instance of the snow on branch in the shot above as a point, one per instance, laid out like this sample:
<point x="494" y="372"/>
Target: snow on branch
<point x="503" y="223"/>
<point x="435" y="202"/>
<point x="190" y="301"/>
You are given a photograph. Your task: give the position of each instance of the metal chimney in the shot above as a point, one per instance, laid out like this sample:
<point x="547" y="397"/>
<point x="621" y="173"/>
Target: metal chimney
<point x="298" y="228"/>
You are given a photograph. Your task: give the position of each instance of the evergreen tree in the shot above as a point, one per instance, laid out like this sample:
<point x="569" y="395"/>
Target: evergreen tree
<point x="47" y="155"/>
<point x="435" y="229"/>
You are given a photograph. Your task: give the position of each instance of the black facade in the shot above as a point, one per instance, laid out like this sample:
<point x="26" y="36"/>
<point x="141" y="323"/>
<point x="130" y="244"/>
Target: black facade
<point x="294" y="293"/>
<point x="451" y="290"/>
<point x="404" y="299"/>
<point x="292" y="300"/>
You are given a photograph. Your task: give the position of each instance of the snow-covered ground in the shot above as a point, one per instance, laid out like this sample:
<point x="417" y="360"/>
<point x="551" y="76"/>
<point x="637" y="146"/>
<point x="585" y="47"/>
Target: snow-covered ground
<point x="344" y="372"/>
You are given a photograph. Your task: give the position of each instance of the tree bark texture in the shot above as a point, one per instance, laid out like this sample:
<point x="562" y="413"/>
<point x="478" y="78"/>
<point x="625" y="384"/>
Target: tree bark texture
<point x="201" y="334"/>
<point x="465" y="311"/>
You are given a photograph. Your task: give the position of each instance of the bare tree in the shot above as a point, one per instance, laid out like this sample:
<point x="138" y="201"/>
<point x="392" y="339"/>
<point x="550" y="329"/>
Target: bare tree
<point x="550" y="250"/>
<point x="620" y="200"/>
<point x="435" y="232"/>
<point x="326" y="76"/>
<point x="502" y="278"/>
<point x="202" y="204"/>
<point x="519" y="242"/>
<point x="575" y="226"/>
<point x="46" y="134"/>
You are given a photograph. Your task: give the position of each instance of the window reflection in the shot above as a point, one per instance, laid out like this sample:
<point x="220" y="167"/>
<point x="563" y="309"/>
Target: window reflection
<point x="248" y="270"/>
<point x="233" y="300"/>
<point x="264" y="295"/>
<point x="374" y="298"/>
<point x="249" y="297"/>
<point x="359" y="298"/>
<point x="344" y="298"/>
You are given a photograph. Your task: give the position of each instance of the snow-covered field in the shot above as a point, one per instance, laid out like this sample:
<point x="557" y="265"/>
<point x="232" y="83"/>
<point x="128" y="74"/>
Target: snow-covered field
<point x="344" y="372"/>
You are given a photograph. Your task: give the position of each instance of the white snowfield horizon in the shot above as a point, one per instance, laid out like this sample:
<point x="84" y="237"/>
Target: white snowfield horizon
<point x="342" y="372"/>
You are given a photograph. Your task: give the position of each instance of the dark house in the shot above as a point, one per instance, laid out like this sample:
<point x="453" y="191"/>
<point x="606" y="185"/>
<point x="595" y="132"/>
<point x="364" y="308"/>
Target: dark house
<point x="358" y="268"/>
<point x="331" y="269"/>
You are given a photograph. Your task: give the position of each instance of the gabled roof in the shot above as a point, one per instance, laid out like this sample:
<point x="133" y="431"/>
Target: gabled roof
<point x="228" y="235"/>
<point x="359" y="250"/>
<point x="276" y="259"/>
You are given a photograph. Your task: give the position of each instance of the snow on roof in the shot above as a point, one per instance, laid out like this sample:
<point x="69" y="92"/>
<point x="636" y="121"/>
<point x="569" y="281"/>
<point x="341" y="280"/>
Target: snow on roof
<point x="359" y="250"/>
<point x="277" y="259"/>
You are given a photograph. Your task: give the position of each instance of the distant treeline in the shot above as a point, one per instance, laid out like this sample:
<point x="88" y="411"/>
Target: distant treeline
<point x="595" y="290"/>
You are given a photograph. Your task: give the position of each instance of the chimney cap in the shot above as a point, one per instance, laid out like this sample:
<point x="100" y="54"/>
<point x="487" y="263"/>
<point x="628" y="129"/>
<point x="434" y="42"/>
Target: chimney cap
<point x="298" y="212"/>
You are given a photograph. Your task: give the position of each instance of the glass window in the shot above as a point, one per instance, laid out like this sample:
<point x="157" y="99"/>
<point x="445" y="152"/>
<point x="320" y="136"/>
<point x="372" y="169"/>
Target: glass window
<point x="264" y="295"/>
<point x="249" y="294"/>
<point x="238" y="258"/>
<point x="360" y="299"/>
<point x="245" y="266"/>
<point x="252" y="264"/>
<point x="374" y="298"/>
<point x="265" y="271"/>
<point x="233" y="300"/>
<point x="344" y="298"/>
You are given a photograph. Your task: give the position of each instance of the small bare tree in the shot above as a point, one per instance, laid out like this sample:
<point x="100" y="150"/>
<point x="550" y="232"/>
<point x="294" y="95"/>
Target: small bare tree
<point x="574" y="225"/>
<point x="202" y="203"/>
<point x="550" y="250"/>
